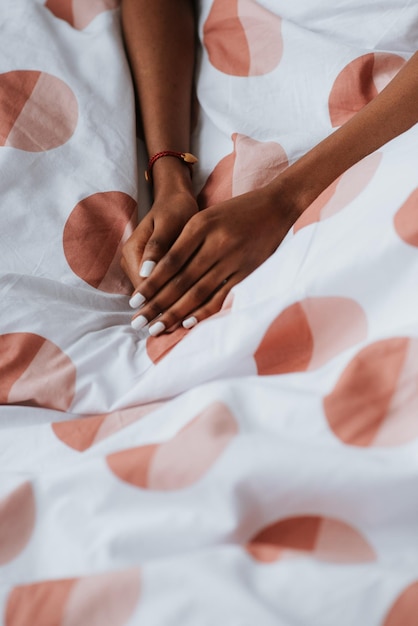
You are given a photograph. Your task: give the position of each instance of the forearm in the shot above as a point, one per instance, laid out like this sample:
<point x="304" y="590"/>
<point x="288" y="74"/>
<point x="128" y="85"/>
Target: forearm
<point x="391" y="113"/>
<point x="160" y="42"/>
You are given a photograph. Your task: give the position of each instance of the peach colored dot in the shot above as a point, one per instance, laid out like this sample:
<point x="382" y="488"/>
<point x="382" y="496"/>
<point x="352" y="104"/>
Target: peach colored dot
<point x="103" y="600"/>
<point x="100" y="600"/>
<point x="252" y="164"/>
<point x="183" y="460"/>
<point x="79" y="434"/>
<point x="159" y="347"/>
<point x="359" y="82"/>
<point x="93" y="238"/>
<point x="132" y="465"/>
<point x="82" y="433"/>
<point x="322" y="538"/>
<point x="309" y="333"/>
<point x="341" y="192"/>
<point x="79" y="13"/>
<point x="405" y="610"/>
<point x="374" y="401"/>
<point x="287" y="346"/>
<point x="406" y="220"/>
<point x="38" y="604"/>
<point x="17" y="521"/>
<point x="34" y="371"/>
<point x="242" y="38"/>
<point x="38" y="111"/>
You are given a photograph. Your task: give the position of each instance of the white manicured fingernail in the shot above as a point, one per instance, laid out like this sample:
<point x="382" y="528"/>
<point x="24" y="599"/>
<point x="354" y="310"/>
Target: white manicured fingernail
<point x="146" y="268"/>
<point x="136" y="300"/>
<point x="139" y="322"/>
<point x="190" y="322"/>
<point x="156" y="329"/>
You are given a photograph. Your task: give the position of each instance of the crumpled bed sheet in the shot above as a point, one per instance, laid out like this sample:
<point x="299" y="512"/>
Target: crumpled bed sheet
<point x="261" y="468"/>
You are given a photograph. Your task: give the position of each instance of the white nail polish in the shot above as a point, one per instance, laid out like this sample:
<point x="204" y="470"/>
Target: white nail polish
<point x="136" y="300"/>
<point x="190" y="322"/>
<point x="139" y="322"/>
<point x="146" y="268"/>
<point x="156" y="329"/>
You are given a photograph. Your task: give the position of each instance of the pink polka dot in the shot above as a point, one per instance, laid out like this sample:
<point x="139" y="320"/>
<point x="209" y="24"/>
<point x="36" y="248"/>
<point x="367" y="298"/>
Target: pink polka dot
<point x="80" y="434"/>
<point x="251" y="165"/>
<point x="183" y="460"/>
<point x="341" y="192"/>
<point x="242" y="38"/>
<point x="35" y="371"/>
<point x="322" y="538"/>
<point x="406" y="220"/>
<point x="309" y="333"/>
<point x="405" y="610"/>
<point x="159" y="347"/>
<point x="38" y="604"/>
<point x="103" y="600"/>
<point x="359" y="82"/>
<point x="100" y="600"/>
<point x="38" y="111"/>
<point x="93" y="238"/>
<point x="79" y="13"/>
<point x="17" y="521"/>
<point x="375" y="401"/>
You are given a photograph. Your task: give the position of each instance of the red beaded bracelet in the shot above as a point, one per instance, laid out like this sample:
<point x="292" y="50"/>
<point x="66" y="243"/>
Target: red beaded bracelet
<point x="186" y="157"/>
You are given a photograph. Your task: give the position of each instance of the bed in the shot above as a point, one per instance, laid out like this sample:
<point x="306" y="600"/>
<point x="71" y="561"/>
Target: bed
<point x="262" y="468"/>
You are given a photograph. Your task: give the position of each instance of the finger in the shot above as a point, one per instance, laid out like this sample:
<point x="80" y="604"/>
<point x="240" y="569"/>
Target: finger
<point x="186" y="253"/>
<point x="205" y="297"/>
<point x="164" y="235"/>
<point x="189" y="281"/>
<point x="141" y="293"/>
<point x="132" y="250"/>
<point x="211" y="307"/>
<point x="214" y="305"/>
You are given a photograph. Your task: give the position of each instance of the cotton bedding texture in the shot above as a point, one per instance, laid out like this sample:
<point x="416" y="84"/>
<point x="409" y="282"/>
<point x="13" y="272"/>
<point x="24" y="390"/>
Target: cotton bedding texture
<point x="262" y="468"/>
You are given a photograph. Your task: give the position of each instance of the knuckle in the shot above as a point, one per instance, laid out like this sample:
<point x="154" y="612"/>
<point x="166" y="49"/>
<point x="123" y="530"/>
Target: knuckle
<point x="209" y="309"/>
<point x="149" y="287"/>
<point x="223" y="236"/>
<point x="154" y="245"/>
<point x="171" y="261"/>
<point x="197" y="224"/>
<point x="200" y="293"/>
<point x="181" y="282"/>
<point x="154" y="308"/>
<point x="171" y="317"/>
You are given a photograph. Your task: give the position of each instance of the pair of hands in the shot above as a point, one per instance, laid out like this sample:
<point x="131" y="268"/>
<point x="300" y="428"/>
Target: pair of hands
<point x="198" y="256"/>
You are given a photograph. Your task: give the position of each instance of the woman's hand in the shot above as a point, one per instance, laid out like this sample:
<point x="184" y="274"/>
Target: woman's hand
<point x="216" y="249"/>
<point x="156" y="233"/>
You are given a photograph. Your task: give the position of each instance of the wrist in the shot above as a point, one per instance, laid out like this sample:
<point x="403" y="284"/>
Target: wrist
<point x="291" y="193"/>
<point x="303" y="181"/>
<point x="171" y="175"/>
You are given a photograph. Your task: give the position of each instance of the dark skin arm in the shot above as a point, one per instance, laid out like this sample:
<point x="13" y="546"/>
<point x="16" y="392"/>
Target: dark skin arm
<point x="228" y="241"/>
<point x="160" y="41"/>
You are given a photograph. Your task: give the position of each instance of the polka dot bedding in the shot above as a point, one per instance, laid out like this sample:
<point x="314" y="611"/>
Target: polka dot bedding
<point x="262" y="467"/>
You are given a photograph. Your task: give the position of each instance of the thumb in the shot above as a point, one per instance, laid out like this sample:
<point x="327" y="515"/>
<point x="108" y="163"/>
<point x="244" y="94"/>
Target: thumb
<point x="165" y="233"/>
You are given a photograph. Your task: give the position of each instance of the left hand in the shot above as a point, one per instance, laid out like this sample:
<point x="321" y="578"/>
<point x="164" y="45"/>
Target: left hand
<point x="157" y="232"/>
<point x="217" y="249"/>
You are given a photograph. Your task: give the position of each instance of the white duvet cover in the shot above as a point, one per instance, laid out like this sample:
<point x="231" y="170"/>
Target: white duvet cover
<point x="262" y="468"/>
